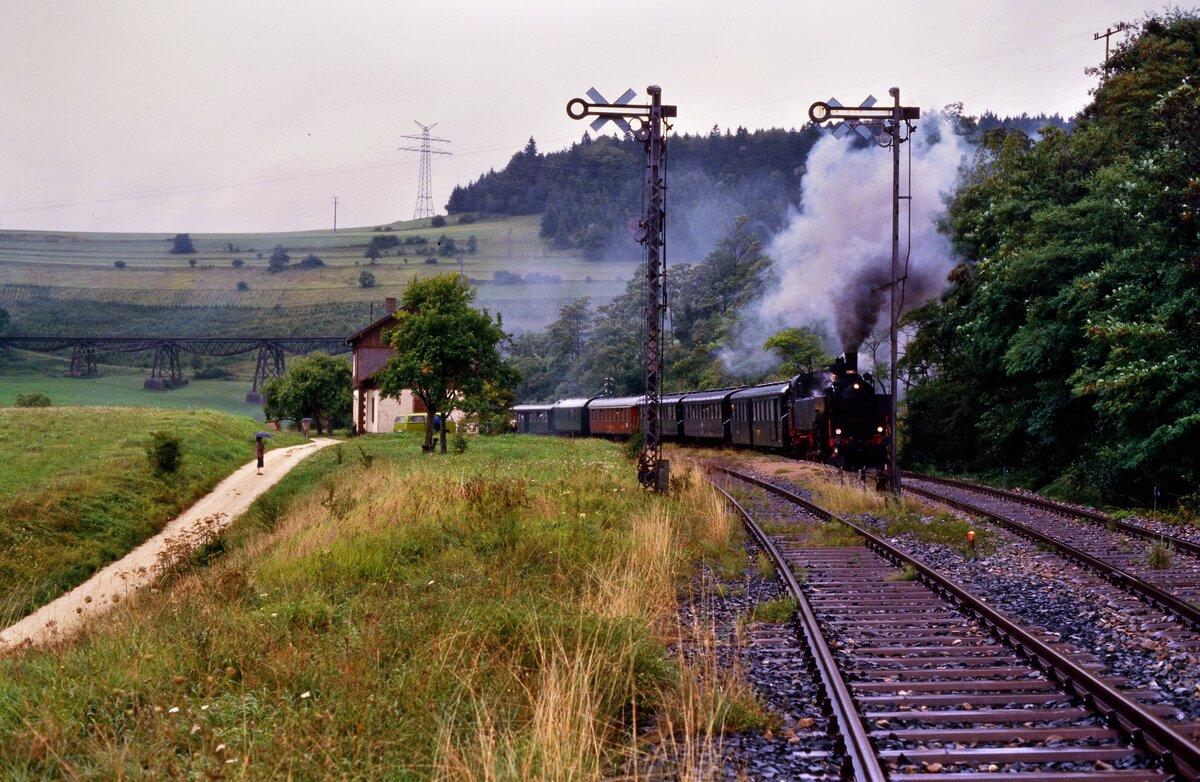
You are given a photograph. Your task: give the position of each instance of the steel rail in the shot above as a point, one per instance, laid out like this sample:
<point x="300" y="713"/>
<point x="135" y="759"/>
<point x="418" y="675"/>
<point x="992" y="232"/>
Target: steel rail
<point x="1182" y="544"/>
<point x="1122" y="578"/>
<point x="1178" y="752"/>
<point x="860" y="752"/>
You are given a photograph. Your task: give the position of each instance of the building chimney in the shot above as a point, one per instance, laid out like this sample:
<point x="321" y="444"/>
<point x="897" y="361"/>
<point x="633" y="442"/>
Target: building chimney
<point x="851" y="360"/>
<point x="389" y="305"/>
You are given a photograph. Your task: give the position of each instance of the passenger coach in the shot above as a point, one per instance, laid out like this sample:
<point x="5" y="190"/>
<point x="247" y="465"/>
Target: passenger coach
<point x="614" y="416"/>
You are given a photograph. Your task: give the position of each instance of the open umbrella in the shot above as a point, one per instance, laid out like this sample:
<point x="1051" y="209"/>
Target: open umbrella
<point x="263" y="434"/>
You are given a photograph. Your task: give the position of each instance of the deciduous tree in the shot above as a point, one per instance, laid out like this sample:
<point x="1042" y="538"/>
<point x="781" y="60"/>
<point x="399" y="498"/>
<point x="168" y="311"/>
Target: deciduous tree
<point x="316" y="386"/>
<point x="447" y="352"/>
<point x="799" y="351"/>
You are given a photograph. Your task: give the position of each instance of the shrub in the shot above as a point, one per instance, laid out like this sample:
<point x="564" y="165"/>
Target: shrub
<point x="431" y="259"/>
<point x="192" y="262"/>
<point x="212" y="373"/>
<point x="119" y="264"/>
<point x="182" y="245"/>
<point x="310" y="262"/>
<point x="505" y="277"/>
<point x="165" y="452"/>
<point x="415" y="240"/>
<point x="467" y="219"/>
<point x="438" y="221"/>
<point x="366" y="280"/>
<point x="32" y="399"/>
<point x="237" y="263"/>
<point x="242" y="285"/>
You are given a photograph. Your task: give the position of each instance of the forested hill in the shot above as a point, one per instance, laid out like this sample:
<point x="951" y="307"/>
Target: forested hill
<point x="587" y="194"/>
<point x="1066" y="346"/>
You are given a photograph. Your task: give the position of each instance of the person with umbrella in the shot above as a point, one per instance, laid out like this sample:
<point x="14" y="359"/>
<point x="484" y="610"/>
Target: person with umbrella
<point x="304" y="424"/>
<point x="260" y="448"/>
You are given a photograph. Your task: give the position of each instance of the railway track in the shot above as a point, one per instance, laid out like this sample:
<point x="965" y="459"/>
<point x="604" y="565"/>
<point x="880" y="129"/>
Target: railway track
<point x="923" y="677"/>
<point x="1093" y="541"/>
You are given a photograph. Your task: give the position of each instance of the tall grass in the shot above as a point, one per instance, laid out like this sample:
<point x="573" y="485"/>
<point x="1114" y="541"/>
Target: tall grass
<point x="499" y="614"/>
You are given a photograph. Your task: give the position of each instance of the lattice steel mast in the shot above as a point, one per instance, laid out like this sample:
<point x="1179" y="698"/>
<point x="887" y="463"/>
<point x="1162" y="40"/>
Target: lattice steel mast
<point x="424" y="207"/>
<point x="653" y="470"/>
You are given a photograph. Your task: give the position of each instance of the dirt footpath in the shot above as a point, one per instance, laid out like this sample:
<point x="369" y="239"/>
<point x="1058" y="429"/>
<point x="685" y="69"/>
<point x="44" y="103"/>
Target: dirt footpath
<point x="215" y="511"/>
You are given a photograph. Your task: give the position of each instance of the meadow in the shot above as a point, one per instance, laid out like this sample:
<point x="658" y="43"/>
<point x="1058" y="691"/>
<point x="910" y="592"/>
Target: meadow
<point x="42" y="274"/>
<point x="77" y="490"/>
<point x="504" y="613"/>
<point x="118" y="386"/>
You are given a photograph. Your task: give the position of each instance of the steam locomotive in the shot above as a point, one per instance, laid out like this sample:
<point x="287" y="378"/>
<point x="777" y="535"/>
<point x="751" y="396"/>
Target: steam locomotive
<point x="833" y="416"/>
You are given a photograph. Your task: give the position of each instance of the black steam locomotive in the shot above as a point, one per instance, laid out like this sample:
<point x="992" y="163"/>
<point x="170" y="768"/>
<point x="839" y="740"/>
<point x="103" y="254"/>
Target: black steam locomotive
<point x="834" y="416"/>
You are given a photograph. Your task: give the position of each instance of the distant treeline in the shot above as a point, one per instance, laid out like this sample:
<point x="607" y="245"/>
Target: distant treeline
<point x="588" y="193"/>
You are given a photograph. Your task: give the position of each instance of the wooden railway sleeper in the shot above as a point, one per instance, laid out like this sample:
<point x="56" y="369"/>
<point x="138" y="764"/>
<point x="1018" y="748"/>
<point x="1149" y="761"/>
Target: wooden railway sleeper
<point x="1159" y="737"/>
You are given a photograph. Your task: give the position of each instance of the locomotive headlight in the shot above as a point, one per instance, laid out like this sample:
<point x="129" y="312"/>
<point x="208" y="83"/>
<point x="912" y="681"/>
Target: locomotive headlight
<point x="837" y="431"/>
<point x="879" y="429"/>
<point x="857" y="386"/>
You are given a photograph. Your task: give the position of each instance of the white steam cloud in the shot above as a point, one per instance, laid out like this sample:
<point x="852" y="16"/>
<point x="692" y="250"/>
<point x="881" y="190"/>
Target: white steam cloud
<point x="833" y="259"/>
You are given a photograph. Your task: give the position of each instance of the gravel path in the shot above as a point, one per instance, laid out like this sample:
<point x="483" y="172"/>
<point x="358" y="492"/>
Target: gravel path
<point x="198" y="524"/>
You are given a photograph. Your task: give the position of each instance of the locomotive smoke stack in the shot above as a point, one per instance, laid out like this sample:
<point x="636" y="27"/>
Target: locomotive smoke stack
<point x="850" y="357"/>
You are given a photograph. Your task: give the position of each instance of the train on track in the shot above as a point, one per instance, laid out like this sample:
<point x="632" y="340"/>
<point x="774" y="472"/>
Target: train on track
<point x="833" y="416"/>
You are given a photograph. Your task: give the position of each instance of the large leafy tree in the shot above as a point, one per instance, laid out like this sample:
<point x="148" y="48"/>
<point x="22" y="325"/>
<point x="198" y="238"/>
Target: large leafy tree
<point x="316" y="386"/>
<point x="799" y="350"/>
<point x="447" y="352"/>
<point x="1066" y="343"/>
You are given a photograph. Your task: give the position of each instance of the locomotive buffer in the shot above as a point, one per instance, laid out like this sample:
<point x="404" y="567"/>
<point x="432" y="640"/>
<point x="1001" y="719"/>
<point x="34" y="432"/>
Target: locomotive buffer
<point x="653" y="470"/>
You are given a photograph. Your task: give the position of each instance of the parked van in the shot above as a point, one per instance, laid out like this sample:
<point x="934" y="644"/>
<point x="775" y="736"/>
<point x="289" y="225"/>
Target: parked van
<point x="415" y="422"/>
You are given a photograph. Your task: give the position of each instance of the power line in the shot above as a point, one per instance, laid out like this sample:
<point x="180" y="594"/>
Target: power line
<point x="424" y="207"/>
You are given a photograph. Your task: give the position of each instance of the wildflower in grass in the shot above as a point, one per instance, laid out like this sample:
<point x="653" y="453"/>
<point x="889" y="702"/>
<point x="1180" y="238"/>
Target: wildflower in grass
<point x="173" y="710"/>
<point x="305" y="694"/>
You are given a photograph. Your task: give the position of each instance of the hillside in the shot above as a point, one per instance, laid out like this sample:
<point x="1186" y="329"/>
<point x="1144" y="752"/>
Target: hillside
<point x="78" y="490"/>
<point x="53" y="283"/>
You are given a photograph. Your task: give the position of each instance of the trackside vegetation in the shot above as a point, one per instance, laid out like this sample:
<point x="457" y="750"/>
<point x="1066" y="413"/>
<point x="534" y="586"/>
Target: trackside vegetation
<point x="504" y="613"/>
<point x="77" y="490"/>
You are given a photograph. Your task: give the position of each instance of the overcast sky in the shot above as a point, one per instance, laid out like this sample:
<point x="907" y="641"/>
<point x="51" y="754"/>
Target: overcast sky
<point x="181" y="115"/>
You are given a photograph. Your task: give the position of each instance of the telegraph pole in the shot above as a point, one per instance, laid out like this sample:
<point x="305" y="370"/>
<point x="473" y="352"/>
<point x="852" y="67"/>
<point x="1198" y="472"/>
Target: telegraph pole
<point x="653" y="470"/>
<point x="335" y="214"/>
<point x="1109" y="33"/>
<point x="424" y="207"/>
<point x="882" y="124"/>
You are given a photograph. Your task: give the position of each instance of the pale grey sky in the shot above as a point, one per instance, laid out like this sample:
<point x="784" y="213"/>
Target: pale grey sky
<point x="219" y="115"/>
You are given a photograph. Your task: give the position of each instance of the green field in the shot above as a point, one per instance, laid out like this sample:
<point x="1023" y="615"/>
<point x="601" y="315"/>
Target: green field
<point x="499" y="614"/>
<point x="117" y="386"/>
<point x="78" y="491"/>
<point x="42" y="274"/>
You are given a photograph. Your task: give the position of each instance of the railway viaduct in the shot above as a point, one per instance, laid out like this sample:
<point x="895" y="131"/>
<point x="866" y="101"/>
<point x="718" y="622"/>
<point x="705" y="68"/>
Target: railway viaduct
<point x="166" y="372"/>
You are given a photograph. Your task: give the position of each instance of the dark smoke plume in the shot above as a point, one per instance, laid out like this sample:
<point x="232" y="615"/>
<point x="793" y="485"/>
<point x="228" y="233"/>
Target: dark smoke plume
<point x="834" y="257"/>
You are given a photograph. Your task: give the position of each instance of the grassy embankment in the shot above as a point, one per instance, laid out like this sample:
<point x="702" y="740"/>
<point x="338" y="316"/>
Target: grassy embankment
<point x="117" y="386"/>
<point x="499" y="614"/>
<point x="77" y="490"/>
